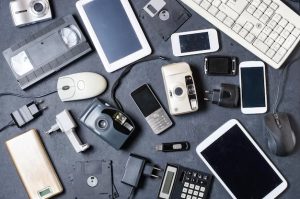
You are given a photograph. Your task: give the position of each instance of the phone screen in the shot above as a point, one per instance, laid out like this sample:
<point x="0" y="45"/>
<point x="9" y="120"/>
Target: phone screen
<point x="253" y="87"/>
<point x="145" y="100"/>
<point x="194" y="42"/>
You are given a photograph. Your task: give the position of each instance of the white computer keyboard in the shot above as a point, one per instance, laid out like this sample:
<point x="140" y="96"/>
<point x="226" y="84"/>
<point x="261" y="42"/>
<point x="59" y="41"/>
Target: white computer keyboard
<point x="267" y="28"/>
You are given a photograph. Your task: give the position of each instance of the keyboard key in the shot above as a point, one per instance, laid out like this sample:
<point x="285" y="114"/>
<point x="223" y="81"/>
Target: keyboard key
<point x="273" y="35"/>
<point x="228" y="11"/>
<point x="269" y="41"/>
<point x="290" y="27"/>
<point x="183" y="195"/>
<point x="205" y="4"/>
<point x="190" y="191"/>
<point x="250" y="37"/>
<point x="267" y="30"/>
<point x="264" y="18"/>
<point x="192" y="186"/>
<point x="270" y="53"/>
<point x="186" y="184"/>
<point x="272" y="24"/>
<point x="275" y="46"/>
<point x="283" y="22"/>
<point x="221" y="16"/>
<point x="197" y="1"/>
<point x="279" y="55"/>
<point x="238" y="5"/>
<point x="195" y="193"/>
<point x="267" y="2"/>
<point x="251" y="9"/>
<point x="216" y="3"/>
<point x="248" y="26"/>
<point x="194" y="197"/>
<point x="236" y="28"/>
<point x="243" y="33"/>
<point x="274" y="6"/>
<point x="255" y="3"/>
<point x="257" y="14"/>
<point x="269" y="12"/>
<point x="289" y="42"/>
<point x="184" y="190"/>
<point x="260" y="45"/>
<point x="285" y="34"/>
<point x="296" y="32"/>
<point x="277" y="17"/>
<point x="228" y="22"/>
<point x="262" y="36"/>
<point x="202" y="189"/>
<point x="201" y="194"/>
<point x="280" y="40"/>
<point x="189" y="197"/>
<point x="213" y="10"/>
<point x="278" y="29"/>
<point x="262" y="7"/>
<point x="197" y="187"/>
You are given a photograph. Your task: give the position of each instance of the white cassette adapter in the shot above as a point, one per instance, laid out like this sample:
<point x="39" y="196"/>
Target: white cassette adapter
<point x="180" y="88"/>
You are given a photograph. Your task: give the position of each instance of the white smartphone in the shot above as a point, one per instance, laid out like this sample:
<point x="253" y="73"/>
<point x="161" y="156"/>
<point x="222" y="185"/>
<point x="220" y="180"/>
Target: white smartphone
<point x="253" y="87"/>
<point x="195" y="42"/>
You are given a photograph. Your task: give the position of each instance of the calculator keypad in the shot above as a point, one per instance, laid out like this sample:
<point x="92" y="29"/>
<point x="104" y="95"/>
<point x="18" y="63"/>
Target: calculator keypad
<point x="194" y="185"/>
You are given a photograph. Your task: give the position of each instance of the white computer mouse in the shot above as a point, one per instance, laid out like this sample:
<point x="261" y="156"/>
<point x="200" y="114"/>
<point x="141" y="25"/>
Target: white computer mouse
<point x="80" y="86"/>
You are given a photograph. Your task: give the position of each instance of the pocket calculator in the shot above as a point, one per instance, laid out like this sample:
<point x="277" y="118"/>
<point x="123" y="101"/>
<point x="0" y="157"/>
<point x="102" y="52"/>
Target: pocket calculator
<point x="180" y="182"/>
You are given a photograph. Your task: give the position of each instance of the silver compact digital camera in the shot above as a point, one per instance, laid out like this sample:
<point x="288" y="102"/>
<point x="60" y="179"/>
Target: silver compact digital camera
<point x="180" y="88"/>
<point x="25" y="12"/>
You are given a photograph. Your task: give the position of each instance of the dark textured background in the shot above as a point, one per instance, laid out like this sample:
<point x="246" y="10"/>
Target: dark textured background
<point x="192" y="127"/>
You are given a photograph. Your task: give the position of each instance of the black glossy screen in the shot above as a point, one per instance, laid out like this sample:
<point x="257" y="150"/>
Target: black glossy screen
<point x="145" y="100"/>
<point x="253" y="88"/>
<point x="194" y="42"/>
<point x="113" y="28"/>
<point x="241" y="166"/>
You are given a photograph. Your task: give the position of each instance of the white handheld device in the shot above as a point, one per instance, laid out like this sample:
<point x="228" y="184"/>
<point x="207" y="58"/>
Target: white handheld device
<point x="195" y="42"/>
<point x="239" y="163"/>
<point x="253" y="87"/>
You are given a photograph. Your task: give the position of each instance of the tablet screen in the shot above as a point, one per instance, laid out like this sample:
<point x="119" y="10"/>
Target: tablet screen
<point x="240" y="165"/>
<point x="113" y="28"/>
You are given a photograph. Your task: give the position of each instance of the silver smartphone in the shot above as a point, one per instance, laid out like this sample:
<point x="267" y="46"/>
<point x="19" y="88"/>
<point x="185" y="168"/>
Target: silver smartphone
<point x="154" y="113"/>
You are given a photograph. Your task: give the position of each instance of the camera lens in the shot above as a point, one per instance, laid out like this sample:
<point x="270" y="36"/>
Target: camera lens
<point x="178" y="91"/>
<point x="38" y="7"/>
<point x="102" y="124"/>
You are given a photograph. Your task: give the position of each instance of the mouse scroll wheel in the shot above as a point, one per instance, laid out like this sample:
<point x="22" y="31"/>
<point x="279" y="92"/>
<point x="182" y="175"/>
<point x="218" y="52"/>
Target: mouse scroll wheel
<point x="66" y="88"/>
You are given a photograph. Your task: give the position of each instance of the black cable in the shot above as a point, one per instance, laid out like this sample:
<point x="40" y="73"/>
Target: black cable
<point x="26" y="96"/>
<point x="281" y="84"/>
<point x="125" y="72"/>
<point x="11" y="123"/>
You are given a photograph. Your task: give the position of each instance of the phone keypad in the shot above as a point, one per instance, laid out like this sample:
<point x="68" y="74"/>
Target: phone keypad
<point x="159" y="121"/>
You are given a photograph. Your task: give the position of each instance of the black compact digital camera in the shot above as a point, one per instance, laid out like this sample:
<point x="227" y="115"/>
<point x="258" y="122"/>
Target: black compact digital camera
<point x="111" y="124"/>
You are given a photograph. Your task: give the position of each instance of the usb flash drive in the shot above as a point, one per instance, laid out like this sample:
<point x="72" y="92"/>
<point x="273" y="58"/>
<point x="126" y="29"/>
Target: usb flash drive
<point x="173" y="146"/>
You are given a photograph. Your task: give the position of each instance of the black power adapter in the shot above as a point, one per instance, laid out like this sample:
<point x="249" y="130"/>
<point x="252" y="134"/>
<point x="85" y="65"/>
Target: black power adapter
<point x="227" y="96"/>
<point x="25" y="114"/>
<point x="136" y="167"/>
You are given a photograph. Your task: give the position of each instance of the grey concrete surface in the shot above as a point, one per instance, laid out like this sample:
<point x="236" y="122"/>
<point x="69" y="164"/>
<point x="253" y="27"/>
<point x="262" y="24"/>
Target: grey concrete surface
<point x="191" y="127"/>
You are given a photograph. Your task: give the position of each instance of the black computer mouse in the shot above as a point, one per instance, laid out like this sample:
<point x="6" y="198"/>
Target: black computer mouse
<point x="280" y="135"/>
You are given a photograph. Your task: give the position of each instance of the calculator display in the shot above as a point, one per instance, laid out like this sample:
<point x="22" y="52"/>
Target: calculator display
<point x="168" y="182"/>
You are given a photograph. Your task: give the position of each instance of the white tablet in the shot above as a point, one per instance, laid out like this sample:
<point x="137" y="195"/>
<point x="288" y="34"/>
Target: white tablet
<point x="115" y="32"/>
<point x="239" y="164"/>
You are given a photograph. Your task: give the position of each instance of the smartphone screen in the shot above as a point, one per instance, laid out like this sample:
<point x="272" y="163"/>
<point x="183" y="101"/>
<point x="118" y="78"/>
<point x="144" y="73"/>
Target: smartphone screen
<point x="145" y="100"/>
<point x="253" y="87"/>
<point x="194" y="42"/>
